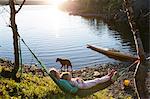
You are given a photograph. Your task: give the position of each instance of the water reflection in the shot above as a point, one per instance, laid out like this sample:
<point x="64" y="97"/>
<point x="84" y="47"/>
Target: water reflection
<point x="120" y="31"/>
<point x="127" y="35"/>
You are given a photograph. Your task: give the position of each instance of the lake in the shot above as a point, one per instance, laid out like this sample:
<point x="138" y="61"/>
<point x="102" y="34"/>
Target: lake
<point x="51" y="33"/>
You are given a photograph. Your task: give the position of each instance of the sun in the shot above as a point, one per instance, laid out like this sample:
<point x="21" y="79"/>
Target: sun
<point x="56" y="2"/>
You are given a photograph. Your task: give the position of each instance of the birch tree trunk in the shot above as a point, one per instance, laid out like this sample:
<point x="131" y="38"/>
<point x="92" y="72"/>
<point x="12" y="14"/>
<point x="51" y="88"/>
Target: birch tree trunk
<point x="134" y="29"/>
<point x="140" y="71"/>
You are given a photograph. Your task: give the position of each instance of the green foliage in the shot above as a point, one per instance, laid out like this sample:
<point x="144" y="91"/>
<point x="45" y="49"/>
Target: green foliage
<point x="31" y="86"/>
<point x="1" y="68"/>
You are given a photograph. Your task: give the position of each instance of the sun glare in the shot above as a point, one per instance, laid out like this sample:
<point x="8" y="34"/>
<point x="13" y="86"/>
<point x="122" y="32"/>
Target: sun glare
<point x="56" y="2"/>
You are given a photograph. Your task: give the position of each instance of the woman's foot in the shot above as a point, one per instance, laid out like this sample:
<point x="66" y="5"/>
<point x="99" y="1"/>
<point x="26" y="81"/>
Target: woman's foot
<point x="110" y="72"/>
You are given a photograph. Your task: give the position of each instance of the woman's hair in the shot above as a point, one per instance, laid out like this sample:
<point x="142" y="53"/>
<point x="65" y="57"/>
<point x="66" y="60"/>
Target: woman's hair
<point x="53" y="71"/>
<point x="65" y="75"/>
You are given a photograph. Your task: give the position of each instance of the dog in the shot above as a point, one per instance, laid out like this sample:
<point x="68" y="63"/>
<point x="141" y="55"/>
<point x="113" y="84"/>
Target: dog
<point x="65" y="63"/>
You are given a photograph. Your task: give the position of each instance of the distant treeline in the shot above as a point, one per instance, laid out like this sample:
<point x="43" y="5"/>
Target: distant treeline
<point x="93" y="6"/>
<point x="108" y="9"/>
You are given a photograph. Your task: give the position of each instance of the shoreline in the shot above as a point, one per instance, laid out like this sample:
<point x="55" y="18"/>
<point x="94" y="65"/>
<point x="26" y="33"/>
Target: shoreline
<point x="88" y="73"/>
<point x="32" y="67"/>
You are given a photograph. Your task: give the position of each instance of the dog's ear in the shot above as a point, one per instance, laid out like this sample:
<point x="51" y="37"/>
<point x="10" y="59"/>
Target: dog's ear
<point x="57" y="59"/>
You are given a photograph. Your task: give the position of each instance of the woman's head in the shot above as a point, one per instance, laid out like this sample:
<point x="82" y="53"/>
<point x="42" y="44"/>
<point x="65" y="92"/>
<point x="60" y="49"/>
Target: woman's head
<point x="55" y="73"/>
<point x="66" y="76"/>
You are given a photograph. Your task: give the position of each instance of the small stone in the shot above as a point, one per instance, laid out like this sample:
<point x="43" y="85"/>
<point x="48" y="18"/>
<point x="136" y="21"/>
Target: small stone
<point x="84" y="74"/>
<point x="104" y="66"/>
<point x="83" y="69"/>
<point x="96" y="73"/>
<point x="33" y="67"/>
<point x="1" y="60"/>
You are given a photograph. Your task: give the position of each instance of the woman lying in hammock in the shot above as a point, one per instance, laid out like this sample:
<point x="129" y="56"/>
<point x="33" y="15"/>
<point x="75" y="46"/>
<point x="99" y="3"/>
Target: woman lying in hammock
<point x="81" y="84"/>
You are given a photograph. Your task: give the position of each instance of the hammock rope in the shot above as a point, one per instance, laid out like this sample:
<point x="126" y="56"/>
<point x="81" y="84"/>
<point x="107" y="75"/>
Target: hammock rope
<point x="20" y="55"/>
<point x="41" y="64"/>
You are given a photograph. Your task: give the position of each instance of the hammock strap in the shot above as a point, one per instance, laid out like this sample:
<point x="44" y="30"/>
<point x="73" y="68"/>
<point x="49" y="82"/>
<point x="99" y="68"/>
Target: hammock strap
<point x="121" y="72"/>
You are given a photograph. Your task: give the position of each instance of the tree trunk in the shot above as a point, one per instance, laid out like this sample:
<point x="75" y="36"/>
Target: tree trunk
<point x="15" y="37"/>
<point x="140" y="78"/>
<point x="134" y="29"/>
<point x="140" y="72"/>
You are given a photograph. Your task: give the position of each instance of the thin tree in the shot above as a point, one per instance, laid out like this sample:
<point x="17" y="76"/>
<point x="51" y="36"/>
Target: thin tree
<point x="140" y="71"/>
<point x="14" y="28"/>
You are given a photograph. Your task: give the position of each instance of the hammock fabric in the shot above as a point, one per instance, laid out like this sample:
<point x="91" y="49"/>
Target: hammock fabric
<point x="65" y="86"/>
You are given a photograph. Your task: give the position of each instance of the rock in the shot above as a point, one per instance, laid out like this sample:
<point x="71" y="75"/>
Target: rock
<point x="82" y="70"/>
<point x="103" y="73"/>
<point x="33" y="67"/>
<point x="1" y="60"/>
<point x="83" y="74"/>
<point x="96" y="73"/>
<point x="104" y="66"/>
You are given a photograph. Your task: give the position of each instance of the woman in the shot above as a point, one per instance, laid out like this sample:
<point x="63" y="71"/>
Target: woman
<point x="81" y="84"/>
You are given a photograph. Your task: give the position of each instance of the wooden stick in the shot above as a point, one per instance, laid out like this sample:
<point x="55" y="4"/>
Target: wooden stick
<point x="134" y="29"/>
<point x="135" y="72"/>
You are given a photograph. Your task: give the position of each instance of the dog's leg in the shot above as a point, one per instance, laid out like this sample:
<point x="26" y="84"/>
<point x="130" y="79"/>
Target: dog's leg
<point x="61" y="67"/>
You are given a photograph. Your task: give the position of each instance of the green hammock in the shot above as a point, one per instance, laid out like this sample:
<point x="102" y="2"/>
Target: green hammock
<point x="65" y="86"/>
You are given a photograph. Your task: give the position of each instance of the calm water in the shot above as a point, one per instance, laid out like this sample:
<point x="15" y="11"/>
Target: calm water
<point x="51" y="33"/>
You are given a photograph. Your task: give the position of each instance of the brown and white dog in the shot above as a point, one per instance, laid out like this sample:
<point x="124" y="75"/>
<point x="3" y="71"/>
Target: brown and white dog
<point x="65" y="63"/>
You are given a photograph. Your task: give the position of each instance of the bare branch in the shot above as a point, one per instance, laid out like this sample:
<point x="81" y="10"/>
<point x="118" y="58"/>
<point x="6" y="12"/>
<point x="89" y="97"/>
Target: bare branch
<point x="21" y="6"/>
